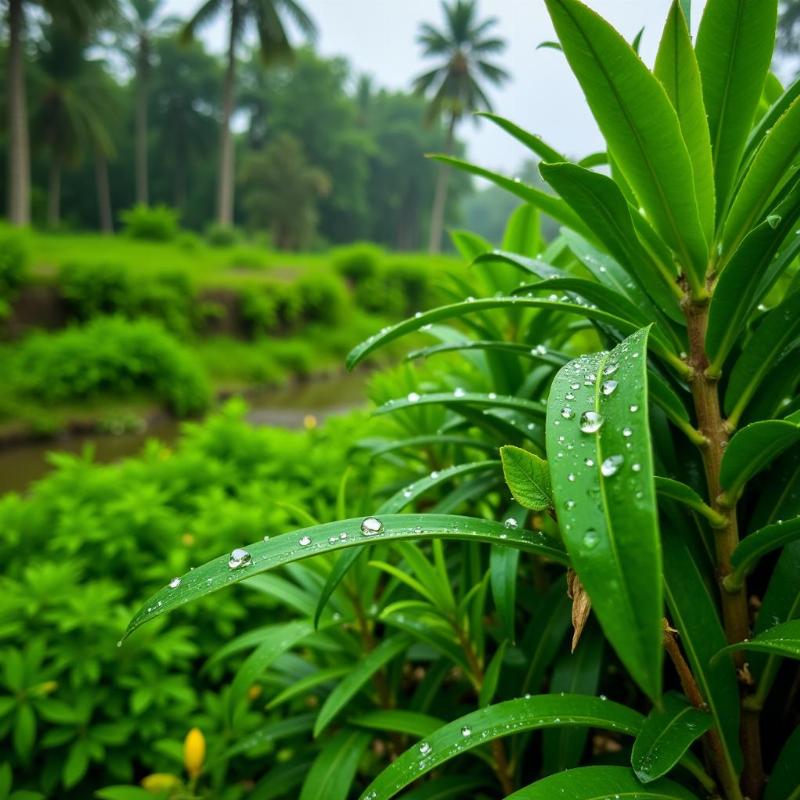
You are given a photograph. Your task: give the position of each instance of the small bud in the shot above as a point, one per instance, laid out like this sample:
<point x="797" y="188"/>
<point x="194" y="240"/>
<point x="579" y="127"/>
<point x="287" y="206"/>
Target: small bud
<point x="581" y="606"/>
<point x="160" y="782"/>
<point x="194" y="752"/>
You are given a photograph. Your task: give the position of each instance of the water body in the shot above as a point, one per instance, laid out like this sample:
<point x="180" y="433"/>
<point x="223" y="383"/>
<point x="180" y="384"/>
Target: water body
<point x="22" y="464"/>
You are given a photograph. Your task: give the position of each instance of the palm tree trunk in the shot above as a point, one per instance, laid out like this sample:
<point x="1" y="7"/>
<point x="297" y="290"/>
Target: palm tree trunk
<point x="225" y="186"/>
<point x="440" y="194"/>
<point x="142" y="188"/>
<point x="54" y="193"/>
<point x="103" y="193"/>
<point x="19" y="144"/>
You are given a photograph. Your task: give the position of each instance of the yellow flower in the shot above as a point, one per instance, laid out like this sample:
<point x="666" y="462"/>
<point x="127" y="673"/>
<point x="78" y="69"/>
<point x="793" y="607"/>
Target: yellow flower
<point x="160" y="782"/>
<point x="194" y="752"/>
<point x="309" y="422"/>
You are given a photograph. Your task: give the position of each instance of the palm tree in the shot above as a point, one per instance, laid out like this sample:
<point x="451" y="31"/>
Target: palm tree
<point x="454" y="85"/>
<point x="268" y="17"/>
<point x="140" y="22"/>
<point x="77" y="13"/>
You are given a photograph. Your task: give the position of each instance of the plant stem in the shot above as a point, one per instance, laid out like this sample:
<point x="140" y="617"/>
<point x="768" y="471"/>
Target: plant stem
<point x="705" y="391"/>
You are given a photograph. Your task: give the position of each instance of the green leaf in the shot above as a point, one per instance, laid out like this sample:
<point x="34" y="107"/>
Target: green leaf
<point x="522" y="234"/>
<point x="332" y="773"/>
<point x="600" y="783"/>
<point x="411" y="723"/>
<point x="769" y="119"/>
<point x="784" y="781"/>
<point x="528" y="478"/>
<point x="739" y="287"/>
<point x="599" y="201"/>
<point x="492" y="676"/>
<point x="782" y="639"/>
<point x="756" y="545"/>
<point x="675" y="490"/>
<point x="469" y="244"/>
<point x="676" y="67"/>
<point x="502" y="719"/>
<point x="773" y="166"/>
<point x="285" y="728"/>
<point x="361" y="672"/>
<point x="307" y="683"/>
<point x="533" y="142"/>
<point x="641" y="127"/>
<point x="777" y="329"/>
<point x="448" y="787"/>
<point x="461" y="398"/>
<point x="124" y="793"/>
<point x="734" y="49"/>
<point x="327" y="538"/>
<point x="666" y="734"/>
<point x="753" y="448"/>
<point x="503" y="570"/>
<point x="551" y="357"/>
<point x="605" y="497"/>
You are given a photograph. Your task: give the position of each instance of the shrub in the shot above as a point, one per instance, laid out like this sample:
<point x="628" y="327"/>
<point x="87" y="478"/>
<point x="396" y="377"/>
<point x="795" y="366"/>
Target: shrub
<point x="321" y="297"/>
<point x="14" y="252"/>
<point x="112" y="357"/>
<point x="357" y="262"/>
<point x="218" y="235"/>
<point x="152" y="223"/>
<point x="93" y="290"/>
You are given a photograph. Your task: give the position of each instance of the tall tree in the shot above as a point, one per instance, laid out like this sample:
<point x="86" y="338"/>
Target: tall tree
<point x="269" y="18"/>
<point x="454" y="86"/>
<point x="140" y="22"/>
<point x="79" y="14"/>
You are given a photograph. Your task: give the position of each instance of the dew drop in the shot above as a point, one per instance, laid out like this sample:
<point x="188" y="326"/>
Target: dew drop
<point x="611" y="466"/>
<point x="575" y="386"/>
<point x="413" y="397"/>
<point x="608" y="387"/>
<point x="571" y="477"/>
<point x="610" y="369"/>
<point x="567" y="412"/>
<point x="636" y="467"/>
<point x="591" y="421"/>
<point x="174" y="583"/>
<point x="627" y="432"/>
<point x="239" y="558"/>
<point x="589" y="462"/>
<point x="774" y="220"/>
<point x="466" y="731"/>
<point x="569" y="396"/>
<point x="590" y="539"/>
<point x="425" y="749"/>
<point x="371" y="525"/>
<point x="342" y="535"/>
<point x="569" y="505"/>
<point x="511" y="524"/>
<point x="305" y="541"/>
<point x="458" y="392"/>
<point x="633" y="408"/>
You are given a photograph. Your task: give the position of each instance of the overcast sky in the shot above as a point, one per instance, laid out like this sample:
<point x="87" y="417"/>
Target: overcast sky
<point x="379" y="37"/>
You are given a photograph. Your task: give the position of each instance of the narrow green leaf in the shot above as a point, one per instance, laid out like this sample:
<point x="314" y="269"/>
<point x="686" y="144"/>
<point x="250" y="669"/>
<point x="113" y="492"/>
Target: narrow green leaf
<point x="544" y="355"/>
<point x="332" y="773"/>
<point x="459" y="398"/>
<point x="533" y="142"/>
<point x="412" y="723"/>
<point x="676" y="67"/>
<point x="470" y="244"/>
<point x="124" y="793"/>
<point x="641" y="128"/>
<point x="327" y="538"/>
<point x="359" y="675"/>
<point x="492" y="722"/>
<point x="522" y="234"/>
<point x="503" y="569"/>
<point x="756" y="545"/>
<point x="605" y="497"/>
<point x="784" y="781"/>
<point x="753" y="448"/>
<point x="528" y="478"/>
<point x="448" y="787"/>
<point x="782" y="639"/>
<point x="297" y="725"/>
<point x="307" y="684"/>
<point x="734" y="49"/>
<point x="779" y="328"/>
<point x="600" y="202"/>
<point x="666" y="734"/>
<point x="492" y="676"/>
<point x="600" y="783"/>
<point x="775" y="112"/>
<point x="675" y="490"/>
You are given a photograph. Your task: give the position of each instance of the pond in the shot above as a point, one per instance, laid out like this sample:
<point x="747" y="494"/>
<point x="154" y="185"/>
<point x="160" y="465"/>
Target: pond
<point x="288" y="407"/>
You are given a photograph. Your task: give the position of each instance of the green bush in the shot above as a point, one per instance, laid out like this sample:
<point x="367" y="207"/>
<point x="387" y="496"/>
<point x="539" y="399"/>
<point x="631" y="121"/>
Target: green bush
<point x="358" y="261"/>
<point x="151" y="223"/>
<point x="14" y="254"/>
<point x="218" y="235"/>
<point x="92" y="290"/>
<point x="111" y="357"/>
<point x="321" y="297"/>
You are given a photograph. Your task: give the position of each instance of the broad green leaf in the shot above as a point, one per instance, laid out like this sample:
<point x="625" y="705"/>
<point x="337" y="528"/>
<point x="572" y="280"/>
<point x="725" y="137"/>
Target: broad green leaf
<point x="784" y="781"/>
<point x="455" y="310"/>
<point x="675" y="490"/>
<point x="332" y="773"/>
<point x="331" y="537"/>
<point x="692" y="601"/>
<point x="773" y="166"/>
<point x="533" y="142"/>
<point x="777" y="329"/>
<point x="601" y="783"/>
<point x="676" y="68"/>
<point x="554" y="206"/>
<point x="573" y="673"/>
<point x="666" y="734"/>
<point x="753" y="448"/>
<point x="756" y="545"/>
<point x="738" y="290"/>
<point x="528" y="478"/>
<point x="734" y="49"/>
<point x="782" y="639"/>
<point x="394" y="720"/>
<point x="502" y="719"/>
<point x="361" y="672"/>
<point x="599" y="201"/>
<point x="604" y="493"/>
<point x="522" y="234"/>
<point x="641" y="127"/>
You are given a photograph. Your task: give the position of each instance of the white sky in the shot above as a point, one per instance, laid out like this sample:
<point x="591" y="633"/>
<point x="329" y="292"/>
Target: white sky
<point x="379" y="37"/>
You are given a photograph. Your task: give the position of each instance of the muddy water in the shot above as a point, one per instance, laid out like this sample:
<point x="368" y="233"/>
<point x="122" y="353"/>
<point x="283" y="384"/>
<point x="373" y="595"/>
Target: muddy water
<point x="22" y="464"/>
